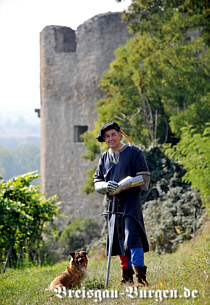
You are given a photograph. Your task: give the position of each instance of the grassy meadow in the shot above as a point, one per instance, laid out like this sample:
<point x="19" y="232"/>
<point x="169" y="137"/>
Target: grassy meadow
<point x="170" y="276"/>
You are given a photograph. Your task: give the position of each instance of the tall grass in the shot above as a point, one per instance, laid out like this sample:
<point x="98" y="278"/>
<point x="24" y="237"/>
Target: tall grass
<point x="184" y="271"/>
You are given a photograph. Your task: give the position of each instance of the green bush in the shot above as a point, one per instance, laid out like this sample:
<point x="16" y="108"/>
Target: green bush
<point x="173" y="217"/>
<point x="193" y="152"/>
<point x="172" y="210"/>
<point x="78" y="234"/>
<point x="160" y="167"/>
<point x="24" y="213"/>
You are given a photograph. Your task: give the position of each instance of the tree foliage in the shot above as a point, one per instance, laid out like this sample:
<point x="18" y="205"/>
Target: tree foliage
<point x="197" y="11"/>
<point x="24" y="212"/>
<point x="159" y="80"/>
<point x="193" y="151"/>
<point x="89" y="186"/>
<point x="167" y="62"/>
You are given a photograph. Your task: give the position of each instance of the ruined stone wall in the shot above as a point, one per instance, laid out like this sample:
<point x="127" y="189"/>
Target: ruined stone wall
<point x="70" y="69"/>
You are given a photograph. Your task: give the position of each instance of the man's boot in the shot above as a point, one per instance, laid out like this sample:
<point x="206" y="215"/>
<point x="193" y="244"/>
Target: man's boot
<point x="127" y="275"/>
<point x="140" y="276"/>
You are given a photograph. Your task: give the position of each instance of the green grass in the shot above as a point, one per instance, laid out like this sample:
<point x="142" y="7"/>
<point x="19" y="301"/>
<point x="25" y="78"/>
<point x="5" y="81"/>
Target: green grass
<point x="185" y="269"/>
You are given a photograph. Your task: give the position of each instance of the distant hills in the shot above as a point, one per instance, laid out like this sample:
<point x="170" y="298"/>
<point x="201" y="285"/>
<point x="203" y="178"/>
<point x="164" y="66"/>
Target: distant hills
<point x="19" y="130"/>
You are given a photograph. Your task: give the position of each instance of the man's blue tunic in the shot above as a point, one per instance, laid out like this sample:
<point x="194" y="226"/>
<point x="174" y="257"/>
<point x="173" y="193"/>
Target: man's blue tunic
<point x="129" y="229"/>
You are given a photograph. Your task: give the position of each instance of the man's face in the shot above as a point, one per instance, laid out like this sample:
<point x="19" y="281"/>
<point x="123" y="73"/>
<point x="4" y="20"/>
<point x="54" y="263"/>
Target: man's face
<point x="112" y="139"/>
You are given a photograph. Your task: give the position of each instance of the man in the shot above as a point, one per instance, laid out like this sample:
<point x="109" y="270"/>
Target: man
<point x="123" y="172"/>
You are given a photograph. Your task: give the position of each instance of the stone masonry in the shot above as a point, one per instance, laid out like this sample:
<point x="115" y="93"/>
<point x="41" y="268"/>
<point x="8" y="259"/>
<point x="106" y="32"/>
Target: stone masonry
<point x="71" y="64"/>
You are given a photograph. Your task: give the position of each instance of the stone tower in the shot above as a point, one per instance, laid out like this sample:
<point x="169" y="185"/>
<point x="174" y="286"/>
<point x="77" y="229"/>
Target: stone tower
<point x="70" y="69"/>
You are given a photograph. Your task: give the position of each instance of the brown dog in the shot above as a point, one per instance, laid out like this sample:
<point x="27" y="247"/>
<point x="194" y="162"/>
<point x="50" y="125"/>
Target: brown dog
<point x="74" y="273"/>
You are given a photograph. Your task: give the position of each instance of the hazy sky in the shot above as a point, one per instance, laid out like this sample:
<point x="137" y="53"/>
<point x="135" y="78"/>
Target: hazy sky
<point x="21" y="22"/>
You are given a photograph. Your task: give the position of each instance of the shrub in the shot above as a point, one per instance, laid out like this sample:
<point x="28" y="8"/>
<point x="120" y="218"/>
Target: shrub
<point x="78" y="234"/>
<point x="172" y="210"/>
<point x="24" y="213"/>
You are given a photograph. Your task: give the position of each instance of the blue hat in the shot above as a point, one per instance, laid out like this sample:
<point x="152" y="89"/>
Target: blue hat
<point x="106" y="127"/>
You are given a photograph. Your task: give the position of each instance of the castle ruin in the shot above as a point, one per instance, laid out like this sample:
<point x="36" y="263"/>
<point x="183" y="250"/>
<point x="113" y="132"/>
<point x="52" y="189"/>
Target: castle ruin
<point x="71" y="65"/>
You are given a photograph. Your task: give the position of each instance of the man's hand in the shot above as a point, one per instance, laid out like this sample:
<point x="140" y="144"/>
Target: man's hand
<point x="111" y="186"/>
<point x="124" y="184"/>
<point x="140" y="180"/>
<point x="105" y="187"/>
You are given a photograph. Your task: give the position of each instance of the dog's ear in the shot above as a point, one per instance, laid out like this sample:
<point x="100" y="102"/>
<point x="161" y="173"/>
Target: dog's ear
<point x="85" y="253"/>
<point x="72" y="254"/>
